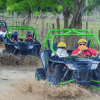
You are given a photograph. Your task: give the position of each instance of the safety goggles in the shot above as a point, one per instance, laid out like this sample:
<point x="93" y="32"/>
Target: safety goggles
<point x="62" y="47"/>
<point x="82" y="44"/>
<point x="29" y="36"/>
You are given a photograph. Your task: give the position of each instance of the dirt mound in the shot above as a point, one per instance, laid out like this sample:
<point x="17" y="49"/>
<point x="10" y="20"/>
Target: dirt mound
<point x="2" y="45"/>
<point x="28" y="89"/>
<point x="40" y="89"/>
<point x="18" y="60"/>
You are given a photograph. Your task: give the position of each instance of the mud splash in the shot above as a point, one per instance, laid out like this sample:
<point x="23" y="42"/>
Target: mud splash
<point x="18" y="60"/>
<point x="28" y="89"/>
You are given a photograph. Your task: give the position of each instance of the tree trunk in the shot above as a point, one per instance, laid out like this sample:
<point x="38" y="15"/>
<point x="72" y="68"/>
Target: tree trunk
<point x="15" y="15"/>
<point x="66" y="15"/>
<point x="28" y="19"/>
<point x="72" y="39"/>
<point x="76" y="23"/>
<point x="66" y="18"/>
<point x="58" y="27"/>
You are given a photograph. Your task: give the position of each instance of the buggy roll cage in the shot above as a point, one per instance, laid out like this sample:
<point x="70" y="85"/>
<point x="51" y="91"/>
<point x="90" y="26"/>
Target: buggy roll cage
<point x="53" y="30"/>
<point x="77" y="32"/>
<point x="21" y="28"/>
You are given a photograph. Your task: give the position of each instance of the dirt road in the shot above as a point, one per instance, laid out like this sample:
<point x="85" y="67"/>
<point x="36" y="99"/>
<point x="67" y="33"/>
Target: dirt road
<point x="18" y="83"/>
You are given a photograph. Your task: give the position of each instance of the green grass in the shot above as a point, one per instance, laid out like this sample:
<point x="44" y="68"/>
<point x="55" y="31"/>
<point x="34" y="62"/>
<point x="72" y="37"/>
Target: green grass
<point x="92" y="25"/>
<point x="21" y="36"/>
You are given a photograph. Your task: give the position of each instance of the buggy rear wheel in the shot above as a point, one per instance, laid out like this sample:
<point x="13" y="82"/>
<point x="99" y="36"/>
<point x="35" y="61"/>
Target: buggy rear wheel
<point x="36" y="51"/>
<point x="4" y="52"/>
<point x="0" y="40"/>
<point x="10" y="49"/>
<point x="40" y="74"/>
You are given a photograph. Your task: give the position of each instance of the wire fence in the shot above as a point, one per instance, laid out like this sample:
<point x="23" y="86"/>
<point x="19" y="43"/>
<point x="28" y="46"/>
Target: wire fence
<point x="43" y="25"/>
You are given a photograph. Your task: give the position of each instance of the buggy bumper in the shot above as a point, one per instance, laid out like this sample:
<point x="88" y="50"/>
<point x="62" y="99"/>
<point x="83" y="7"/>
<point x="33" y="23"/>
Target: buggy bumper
<point x="90" y="86"/>
<point x="62" y="83"/>
<point x="1" y="36"/>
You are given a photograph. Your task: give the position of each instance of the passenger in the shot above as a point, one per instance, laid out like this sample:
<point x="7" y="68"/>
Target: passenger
<point x="82" y="45"/>
<point x="29" y="37"/>
<point x="3" y="29"/>
<point x="14" y="37"/>
<point x="61" y="51"/>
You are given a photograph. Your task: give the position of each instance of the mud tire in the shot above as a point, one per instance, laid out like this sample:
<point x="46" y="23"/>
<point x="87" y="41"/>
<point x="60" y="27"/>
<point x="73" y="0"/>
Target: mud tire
<point x="55" y="74"/>
<point x="40" y="74"/>
<point x="4" y="52"/>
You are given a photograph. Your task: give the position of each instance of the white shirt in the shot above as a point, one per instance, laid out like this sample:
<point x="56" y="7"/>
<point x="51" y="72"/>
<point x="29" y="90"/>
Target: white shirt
<point x="61" y="53"/>
<point x="3" y="34"/>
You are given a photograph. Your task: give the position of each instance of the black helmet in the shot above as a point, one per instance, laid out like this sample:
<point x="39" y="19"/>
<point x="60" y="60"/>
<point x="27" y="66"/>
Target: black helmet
<point x="15" y="33"/>
<point x="2" y="25"/>
<point x="29" y="33"/>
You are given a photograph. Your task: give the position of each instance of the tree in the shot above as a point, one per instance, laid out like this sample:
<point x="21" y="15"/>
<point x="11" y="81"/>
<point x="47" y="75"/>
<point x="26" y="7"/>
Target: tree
<point x="28" y="6"/>
<point x="70" y="7"/>
<point x="76" y="8"/>
<point x="3" y="5"/>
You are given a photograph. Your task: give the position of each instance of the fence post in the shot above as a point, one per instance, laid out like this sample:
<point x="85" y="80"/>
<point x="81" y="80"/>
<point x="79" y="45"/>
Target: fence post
<point x="99" y="40"/>
<point x="50" y="27"/>
<point x="21" y="23"/>
<point x="86" y="28"/>
<point x="37" y="27"/>
<point x="24" y="22"/>
<point x="34" y="24"/>
<point x="16" y="23"/>
<point x="13" y="22"/>
<point x="92" y="31"/>
<point x="58" y="27"/>
<point x="42" y="31"/>
<point x="46" y="28"/>
<point x="99" y="34"/>
<point x="53" y="28"/>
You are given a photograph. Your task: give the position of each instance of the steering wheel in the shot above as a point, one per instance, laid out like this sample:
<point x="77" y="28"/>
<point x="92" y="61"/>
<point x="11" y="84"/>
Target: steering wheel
<point x="85" y="55"/>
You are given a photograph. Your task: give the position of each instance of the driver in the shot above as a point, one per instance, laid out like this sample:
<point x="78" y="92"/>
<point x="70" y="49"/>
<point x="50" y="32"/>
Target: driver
<point x="3" y="29"/>
<point x="61" y="51"/>
<point x="14" y="37"/>
<point x="83" y="49"/>
<point x="29" y="37"/>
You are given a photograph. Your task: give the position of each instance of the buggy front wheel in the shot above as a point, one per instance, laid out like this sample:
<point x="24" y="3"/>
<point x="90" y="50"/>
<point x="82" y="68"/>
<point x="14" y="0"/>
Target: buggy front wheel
<point x="40" y="74"/>
<point x="55" y="73"/>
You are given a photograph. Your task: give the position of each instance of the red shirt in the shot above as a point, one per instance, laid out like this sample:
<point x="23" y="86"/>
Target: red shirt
<point x="93" y="51"/>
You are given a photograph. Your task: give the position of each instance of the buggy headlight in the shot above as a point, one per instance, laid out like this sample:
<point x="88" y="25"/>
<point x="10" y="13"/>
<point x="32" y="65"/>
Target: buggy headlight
<point x="16" y="47"/>
<point x="71" y="66"/>
<point x="94" y="65"/>
<point x="30" y="47"/>
<point x="98" y="56"/>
